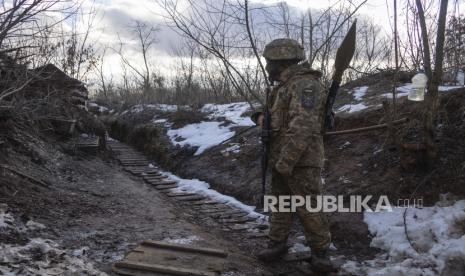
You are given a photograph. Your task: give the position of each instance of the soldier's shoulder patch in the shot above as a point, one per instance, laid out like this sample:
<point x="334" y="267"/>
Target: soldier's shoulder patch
<point x="308" y="98"/>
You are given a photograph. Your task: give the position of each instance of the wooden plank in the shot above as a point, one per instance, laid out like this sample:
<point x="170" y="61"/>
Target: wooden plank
<point x="166" y="187"/>
<point x="201" y="250"/>
<point x="134" y="161"/>
<point x="258" y="225"/>
<point x="212" y="210"/>
<point x="207" y="202"/>
<point x="141" y="164"/>
<point x="161" y="183"/>
<point x="128" y="163"/>
<point x="230" y="215"/>
<point x="190" y="198"/>
<point x="236" y="220"/>
<point x="178" y="194"/>
<point x="140" y="171"/>
<point x="163" y="269"/>
<point x="257" y="235"/>
<point x="155" y="176"/>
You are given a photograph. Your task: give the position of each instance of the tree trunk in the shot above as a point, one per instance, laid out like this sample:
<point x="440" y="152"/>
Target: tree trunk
<point x="434" y="79"/>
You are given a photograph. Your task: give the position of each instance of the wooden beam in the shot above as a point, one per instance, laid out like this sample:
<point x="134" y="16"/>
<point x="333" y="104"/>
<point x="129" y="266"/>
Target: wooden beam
<point x="201" y="250"/>
<point x="163" y="269"/>
<point x="362" y="129"/>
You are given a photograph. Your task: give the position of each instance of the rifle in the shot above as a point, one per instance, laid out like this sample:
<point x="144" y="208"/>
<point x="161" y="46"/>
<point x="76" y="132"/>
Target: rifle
<point x="343" y="57"/>
<point x="265" y="135"/>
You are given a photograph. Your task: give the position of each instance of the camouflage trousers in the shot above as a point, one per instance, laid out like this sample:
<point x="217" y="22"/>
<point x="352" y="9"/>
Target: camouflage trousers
<point x="304" y="181"/>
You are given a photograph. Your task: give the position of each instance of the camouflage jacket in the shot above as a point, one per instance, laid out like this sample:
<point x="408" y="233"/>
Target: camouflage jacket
<point x="297" y="109"/>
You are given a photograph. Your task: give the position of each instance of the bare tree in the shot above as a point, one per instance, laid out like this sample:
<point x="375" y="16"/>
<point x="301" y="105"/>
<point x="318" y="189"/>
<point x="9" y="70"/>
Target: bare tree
<point x="145" y="35"/>
<point x="217" y="28"/>
<point x="434" y="76"/>
<point x="75" y="53"/>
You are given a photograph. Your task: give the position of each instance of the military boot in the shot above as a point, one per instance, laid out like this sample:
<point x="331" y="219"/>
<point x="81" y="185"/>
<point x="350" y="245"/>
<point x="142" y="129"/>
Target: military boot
<point x="320" y="261"/>
<point x="273" y="251"/>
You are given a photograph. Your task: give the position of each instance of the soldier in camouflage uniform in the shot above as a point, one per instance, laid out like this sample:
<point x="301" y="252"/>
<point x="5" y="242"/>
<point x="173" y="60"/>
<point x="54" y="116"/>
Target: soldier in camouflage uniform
<point x="297" y="107"/>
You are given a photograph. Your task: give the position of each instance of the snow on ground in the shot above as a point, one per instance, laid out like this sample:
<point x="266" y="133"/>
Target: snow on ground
<point x="160" y="121"/>
<point x="351" y="108"/>
<point x="208" y="134"/>
<point x="235" y="148"/>
<point x="404" y="90"/>
<point x="201" y="187"/>
<point x="101" y="109"/>
<point x="231" y="112"/>
<point x="186" y="240"/>
<point x="359" y="92"/>
<point x="38" y="256"/>
<point x="160" y="107"/>
<point x="6" y="219"/>
<point x="448" y="88"/>
<point x="42" y="257"/>
<point x="461" y="78"/>
<point x="437" y="232"/>
<point x="202" y="135"/>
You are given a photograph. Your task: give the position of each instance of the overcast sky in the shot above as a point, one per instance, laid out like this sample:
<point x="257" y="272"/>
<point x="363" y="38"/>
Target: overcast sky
<point x="116" y="15"/>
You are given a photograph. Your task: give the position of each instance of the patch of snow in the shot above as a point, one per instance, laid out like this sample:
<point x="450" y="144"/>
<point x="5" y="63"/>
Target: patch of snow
<point x="208" y="134"/>
<point x="437" y="232"/>
<point x="187" y="240"/>
<point x="6" y="219"/>
<point x="80" y="252"/>
<point x="201" y="187"/>
<point x="101" y="109"/>
<point x="42" y="257"/>
<point x="160" y="107"/>
<point x="235" y="148"/>
<point x="359" y="92"/>
<point x="232" y="112"/>
<point x="377" y="151"/>
<point x="299" y="247"/>
<point x="345" y="145"/>
<point x="460" y="78"/>
<point x="351" y="108"/>
<point x="403" y="91"/>
<point x="33" y="226"/>
<point x="38" y="256"/>
<point x="344" y="179"/>
<point x="203" y="135"/>
<point x="160" y="121"/>
<point x="442" y="88"/>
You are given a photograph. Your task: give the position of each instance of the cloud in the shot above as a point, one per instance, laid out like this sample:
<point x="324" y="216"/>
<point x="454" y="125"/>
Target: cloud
<point x="115" y="17"/>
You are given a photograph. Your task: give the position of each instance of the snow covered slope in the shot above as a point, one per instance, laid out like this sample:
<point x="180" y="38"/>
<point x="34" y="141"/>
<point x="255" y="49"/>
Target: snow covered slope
<point x="437" y="233"/>
<point x="208" y="134"/>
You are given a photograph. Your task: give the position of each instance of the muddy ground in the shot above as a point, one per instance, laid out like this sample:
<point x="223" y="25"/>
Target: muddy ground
<point x="89" y="203"/>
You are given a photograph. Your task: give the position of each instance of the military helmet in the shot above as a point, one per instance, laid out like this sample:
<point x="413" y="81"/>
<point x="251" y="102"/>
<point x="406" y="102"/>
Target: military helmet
<point x="284" y="49"/>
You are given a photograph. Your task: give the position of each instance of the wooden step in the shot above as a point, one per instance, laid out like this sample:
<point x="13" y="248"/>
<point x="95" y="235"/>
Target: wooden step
<point x="159" y="258"/>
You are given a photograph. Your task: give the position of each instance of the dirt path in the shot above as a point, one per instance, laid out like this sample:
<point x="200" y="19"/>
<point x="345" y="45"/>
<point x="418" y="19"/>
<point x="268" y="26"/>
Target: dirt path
<point x="95" y="207"/>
